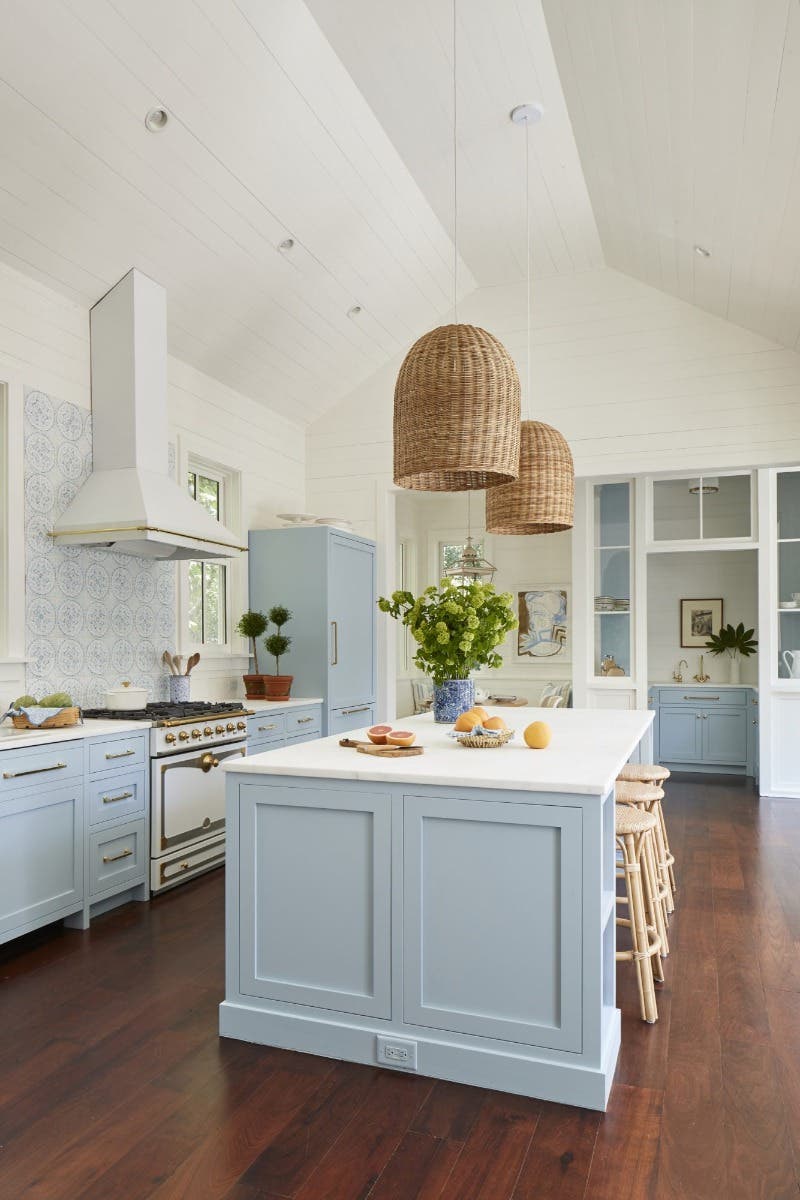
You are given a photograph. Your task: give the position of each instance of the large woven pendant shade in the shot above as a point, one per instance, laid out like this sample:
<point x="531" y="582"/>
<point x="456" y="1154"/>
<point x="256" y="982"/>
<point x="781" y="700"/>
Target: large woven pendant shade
<point x="542" y="499"/>
<point x="456" y="413"/>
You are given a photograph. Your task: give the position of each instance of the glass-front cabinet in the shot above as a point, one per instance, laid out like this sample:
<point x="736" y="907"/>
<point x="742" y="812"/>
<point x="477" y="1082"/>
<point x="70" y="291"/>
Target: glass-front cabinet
<point x="702" y="508"/>
<point x="613" y="640"/>
<point x="788" y="506"/>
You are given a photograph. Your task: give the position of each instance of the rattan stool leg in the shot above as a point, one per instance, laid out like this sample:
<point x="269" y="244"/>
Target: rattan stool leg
<point x="645" y="944"/>
<point x="652" y="895"/>
<point x="669" y="857"/>
<point x="661" y="857"/>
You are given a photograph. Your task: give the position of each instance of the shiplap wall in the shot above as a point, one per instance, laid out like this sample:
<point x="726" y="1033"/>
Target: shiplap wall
<point x="731" y="574"/>
<point x="636" y="379"/>
<point x="44" y="342"/>
<point x="522" y="563"/>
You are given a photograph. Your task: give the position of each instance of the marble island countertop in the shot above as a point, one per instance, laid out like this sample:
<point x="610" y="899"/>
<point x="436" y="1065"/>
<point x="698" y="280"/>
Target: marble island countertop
<point x="587" y="750"/>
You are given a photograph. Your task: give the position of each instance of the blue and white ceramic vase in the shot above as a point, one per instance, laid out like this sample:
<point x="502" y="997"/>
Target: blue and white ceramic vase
<point x="451" y="698"/>
<point x="179" y="689"/>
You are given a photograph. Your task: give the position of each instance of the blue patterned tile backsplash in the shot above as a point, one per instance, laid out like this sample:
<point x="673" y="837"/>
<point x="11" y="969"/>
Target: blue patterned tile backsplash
<point x="93" y="618"/>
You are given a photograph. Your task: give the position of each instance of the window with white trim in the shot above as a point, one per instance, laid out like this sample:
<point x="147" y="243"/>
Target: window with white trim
<point x="208" y="590"/>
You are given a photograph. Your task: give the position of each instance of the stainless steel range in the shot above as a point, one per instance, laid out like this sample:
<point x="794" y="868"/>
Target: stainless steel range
<point x="187" y="792"/>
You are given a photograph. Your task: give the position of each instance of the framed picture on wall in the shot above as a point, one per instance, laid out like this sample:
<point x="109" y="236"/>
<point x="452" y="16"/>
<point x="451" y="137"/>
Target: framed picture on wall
<point x="699" y="619"/>
<point x="542" y="631"/>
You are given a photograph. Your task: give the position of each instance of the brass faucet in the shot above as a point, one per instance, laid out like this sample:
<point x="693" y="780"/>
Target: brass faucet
<point x="701" y="676"/>
<point x="677" y="674"/>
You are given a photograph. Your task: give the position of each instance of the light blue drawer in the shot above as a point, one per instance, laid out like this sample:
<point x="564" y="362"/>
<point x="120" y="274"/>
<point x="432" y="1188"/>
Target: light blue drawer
<point x="123" y="795"/>
<point x="117" y="858"/>
<point x="302" y="737"/>
<point x="705" y="697"/>
<point x="356" y="716"/>
<point x="303" y="720"/>
<point x="37" y="765"/>
<point x="113" y="754"/>
<point x="264" y="744"/>
<point x="266" y="725"/>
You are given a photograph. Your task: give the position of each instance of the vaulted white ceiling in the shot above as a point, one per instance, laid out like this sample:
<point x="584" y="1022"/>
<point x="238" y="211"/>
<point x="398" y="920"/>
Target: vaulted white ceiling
<point x="331" y="122"/>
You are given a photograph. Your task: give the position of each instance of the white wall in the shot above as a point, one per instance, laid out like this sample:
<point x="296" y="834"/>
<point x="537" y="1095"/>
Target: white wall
<point x="44" y="344"/>
<point x="425" y="520"/>
<point x="731" y="574"/>
<point x="636" y="380"/>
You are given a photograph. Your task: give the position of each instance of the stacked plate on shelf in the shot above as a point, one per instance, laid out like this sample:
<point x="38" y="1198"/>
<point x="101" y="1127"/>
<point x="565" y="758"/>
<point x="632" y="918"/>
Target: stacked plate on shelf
<point x="604" y="603"/>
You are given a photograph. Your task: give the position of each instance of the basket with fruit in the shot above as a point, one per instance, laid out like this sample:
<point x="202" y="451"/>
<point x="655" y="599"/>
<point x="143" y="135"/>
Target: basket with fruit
<point x="29" y="713"/>
<point x="476" y="730"/>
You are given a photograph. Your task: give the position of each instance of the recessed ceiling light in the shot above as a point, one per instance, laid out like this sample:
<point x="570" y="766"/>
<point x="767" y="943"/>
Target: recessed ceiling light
<point x="701" y="252"/>
<point x="286" y="245"/>
<point x="355" y="311"/>
<point x="527" y="114"/>
<point x="156" y="119"/>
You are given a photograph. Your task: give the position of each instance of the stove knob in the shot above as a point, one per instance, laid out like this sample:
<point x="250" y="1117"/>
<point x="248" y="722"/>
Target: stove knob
<point x="231" y="728"/>
<point x="170" y="739"/>
<point x="196" y="733"/>
<point x="219" y="729"/>
<point x="208" y="731"/>
<point x="241" y="725"/>
<point x="183" y="735"/>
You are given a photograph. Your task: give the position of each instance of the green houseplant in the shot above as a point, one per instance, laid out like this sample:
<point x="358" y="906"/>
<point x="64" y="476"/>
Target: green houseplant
<point x="457" y="628"/>
<point x="735" y="641"/>
<point x="278" y="686"/>
<point x="252" y="625"/>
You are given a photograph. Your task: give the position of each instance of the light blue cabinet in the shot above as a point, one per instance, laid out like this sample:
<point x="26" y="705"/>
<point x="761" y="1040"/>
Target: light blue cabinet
<point x="41" y="856"/>
<point x="327" y="579"/>
<point x="703" y="729"/>
<point x="267" y="729"/>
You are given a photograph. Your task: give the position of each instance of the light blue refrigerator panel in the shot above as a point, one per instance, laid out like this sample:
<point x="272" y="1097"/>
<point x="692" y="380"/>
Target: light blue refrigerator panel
<point x="288" y="566"/>
<point x="351" y="594"/>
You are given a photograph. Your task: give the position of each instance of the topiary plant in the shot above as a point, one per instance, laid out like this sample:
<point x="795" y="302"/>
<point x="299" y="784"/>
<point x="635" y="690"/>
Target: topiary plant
<point x="251" y="626"/>
<point x="277" y="644"/>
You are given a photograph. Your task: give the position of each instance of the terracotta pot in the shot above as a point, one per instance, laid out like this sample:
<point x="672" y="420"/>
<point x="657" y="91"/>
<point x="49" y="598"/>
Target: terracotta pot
<point x="254" y="688"/>
<point x="277" y="687"/>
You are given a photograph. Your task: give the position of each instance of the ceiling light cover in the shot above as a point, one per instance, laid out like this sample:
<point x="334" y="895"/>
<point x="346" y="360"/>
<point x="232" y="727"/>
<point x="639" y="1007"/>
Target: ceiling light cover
<point x="456" y="412"/>
<point x="156" y="119"/>
<point x="542" y="499"/>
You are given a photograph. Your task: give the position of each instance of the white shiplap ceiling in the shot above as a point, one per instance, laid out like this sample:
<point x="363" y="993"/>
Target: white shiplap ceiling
<point x="331" y="122"/>
<point x="687" y="118"/>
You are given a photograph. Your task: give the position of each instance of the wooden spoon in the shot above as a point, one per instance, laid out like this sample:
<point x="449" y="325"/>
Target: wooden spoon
<point x="194" y="659"/>
<point x="166" y="658"/>
<point x="177" y="660"/>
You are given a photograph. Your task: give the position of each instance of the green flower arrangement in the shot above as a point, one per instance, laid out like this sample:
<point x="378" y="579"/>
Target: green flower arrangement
<point x="456" y="626"/>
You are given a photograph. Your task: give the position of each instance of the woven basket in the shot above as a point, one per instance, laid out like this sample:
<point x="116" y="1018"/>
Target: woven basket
<point x="456" y="412"/>
<point x="542" y="499"/>
<point x="481" y="742"/>
<point x="59" y="720"/>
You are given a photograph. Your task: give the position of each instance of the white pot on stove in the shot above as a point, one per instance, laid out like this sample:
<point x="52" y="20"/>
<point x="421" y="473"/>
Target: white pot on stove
<point x="125" y="697"/>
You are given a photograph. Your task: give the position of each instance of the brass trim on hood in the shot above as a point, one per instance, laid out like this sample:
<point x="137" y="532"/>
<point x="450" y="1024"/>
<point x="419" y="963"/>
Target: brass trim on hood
<point x="191" y="537"/>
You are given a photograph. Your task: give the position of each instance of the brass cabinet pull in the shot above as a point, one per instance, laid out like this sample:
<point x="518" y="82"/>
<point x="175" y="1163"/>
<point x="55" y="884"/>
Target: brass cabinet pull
<point x="33" y="771"/>
<point x="122" y="754"/>
<point x="114" y="799"/>
<point x="208" y="761"/>
<point x="702" y="699"/>
<point x="348" y="712"/>
<point x="304" y="720"/>
<point x="116" y="857"/>
<point x="334" y="643"/>
<point x="184" y="866"/>
<point x="265" y="728"/>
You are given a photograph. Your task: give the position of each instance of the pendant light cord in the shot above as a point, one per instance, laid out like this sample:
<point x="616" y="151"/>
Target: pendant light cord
<point x="528" y="407"/>
<point x="455" y="165"/>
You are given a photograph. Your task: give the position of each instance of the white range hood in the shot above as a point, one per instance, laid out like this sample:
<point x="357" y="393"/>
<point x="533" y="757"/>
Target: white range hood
<point x="129" y="503"/>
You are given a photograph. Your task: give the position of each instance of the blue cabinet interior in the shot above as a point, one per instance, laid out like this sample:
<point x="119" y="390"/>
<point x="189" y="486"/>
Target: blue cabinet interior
<point x="327" y="579"/>
<point x="613" y="571"/>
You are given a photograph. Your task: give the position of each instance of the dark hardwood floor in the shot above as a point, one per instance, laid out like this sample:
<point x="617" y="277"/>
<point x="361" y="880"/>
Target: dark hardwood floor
<point x="115" y="1086"/>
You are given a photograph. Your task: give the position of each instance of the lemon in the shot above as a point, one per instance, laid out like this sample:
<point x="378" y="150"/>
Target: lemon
<point x="538" y="735"/>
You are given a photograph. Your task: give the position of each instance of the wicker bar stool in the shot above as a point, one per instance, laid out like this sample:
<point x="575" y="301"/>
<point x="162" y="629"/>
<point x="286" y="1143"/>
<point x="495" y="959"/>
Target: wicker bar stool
<point x="633" y="830"/>
<point x="657" y="775"/>
<point x="648" y="798"/>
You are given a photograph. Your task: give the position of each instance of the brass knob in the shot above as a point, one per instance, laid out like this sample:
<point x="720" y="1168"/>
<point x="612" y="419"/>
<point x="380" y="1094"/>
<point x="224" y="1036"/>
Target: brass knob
<point x="196" y="733"/>
<point x="170" y="739"/>
<point x="183" y="735"/>
<point x="207" y="762"/>
<point x="241" y="725"/>
<point x="208" y="731"/>
<point x="219" y="729"/>
<point x="231" y="728"/>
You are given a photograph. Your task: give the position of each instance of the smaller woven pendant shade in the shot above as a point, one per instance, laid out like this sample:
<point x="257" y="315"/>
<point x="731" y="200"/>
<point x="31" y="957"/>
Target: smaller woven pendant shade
<point x="542" y="499"/>
<point x="456" y="413"/>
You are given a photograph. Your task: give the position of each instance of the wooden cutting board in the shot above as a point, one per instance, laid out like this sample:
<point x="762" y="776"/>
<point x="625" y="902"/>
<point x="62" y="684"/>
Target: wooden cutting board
<point x="381" y="751"/>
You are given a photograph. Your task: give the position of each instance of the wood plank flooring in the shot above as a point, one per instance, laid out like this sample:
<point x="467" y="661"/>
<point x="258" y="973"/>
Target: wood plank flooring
<point x="115" y="1086"/>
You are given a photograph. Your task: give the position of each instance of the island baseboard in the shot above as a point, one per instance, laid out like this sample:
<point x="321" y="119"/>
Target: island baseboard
<point x="516" y="1070"/>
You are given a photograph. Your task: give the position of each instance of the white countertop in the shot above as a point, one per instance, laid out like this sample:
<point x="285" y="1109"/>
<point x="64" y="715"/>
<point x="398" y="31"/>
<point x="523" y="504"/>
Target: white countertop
<point x="259" y="705"/>
<point x="587" y="750"/>
<point x="13" y="739"/>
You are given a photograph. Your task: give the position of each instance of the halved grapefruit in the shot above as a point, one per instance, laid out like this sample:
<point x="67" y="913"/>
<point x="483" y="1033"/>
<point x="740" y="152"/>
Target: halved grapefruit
<point x="378" y="733"/>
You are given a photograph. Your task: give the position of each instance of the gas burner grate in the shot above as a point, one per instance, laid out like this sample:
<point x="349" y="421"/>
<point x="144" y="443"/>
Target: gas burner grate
<point x="164" y="712"/>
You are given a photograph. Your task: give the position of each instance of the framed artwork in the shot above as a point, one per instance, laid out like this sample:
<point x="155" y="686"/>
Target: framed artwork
<point x="542" y="631"/>
<point x="699" y="619"/>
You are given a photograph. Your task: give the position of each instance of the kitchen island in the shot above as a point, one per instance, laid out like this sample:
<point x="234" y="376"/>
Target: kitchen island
<point x="450" y="913"/>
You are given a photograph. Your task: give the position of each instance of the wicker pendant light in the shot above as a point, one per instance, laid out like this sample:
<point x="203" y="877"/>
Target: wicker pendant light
<point x="542" y="498"/>
<point x="456" y="400"/>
